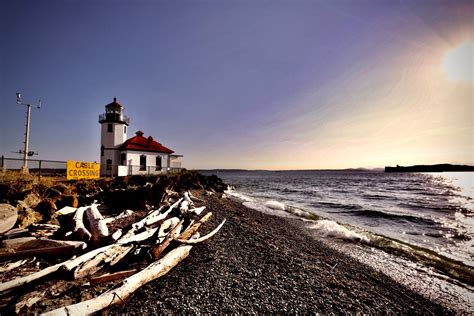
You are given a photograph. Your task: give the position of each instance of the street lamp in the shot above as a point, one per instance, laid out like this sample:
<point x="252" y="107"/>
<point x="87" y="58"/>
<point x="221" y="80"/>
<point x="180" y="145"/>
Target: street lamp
<point x="24" y="168"/>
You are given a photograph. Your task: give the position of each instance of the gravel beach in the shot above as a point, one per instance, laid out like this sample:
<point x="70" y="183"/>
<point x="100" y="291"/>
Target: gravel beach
<point x="260" y="263"/>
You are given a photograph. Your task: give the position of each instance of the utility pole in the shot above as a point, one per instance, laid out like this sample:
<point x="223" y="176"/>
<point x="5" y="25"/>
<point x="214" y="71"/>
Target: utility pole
<point x="26" y="153"/>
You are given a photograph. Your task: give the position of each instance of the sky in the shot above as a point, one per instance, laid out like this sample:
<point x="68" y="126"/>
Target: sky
<point x="245" y="84"/>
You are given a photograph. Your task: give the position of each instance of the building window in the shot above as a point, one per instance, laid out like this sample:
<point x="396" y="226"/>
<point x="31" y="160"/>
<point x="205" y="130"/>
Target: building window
<point x="109" y="164"/>
<point x="158" y="162"/>
<point x="125" y="129"/>
<point x="123" y="159"/>
<point x="142" y="162"/>
<point x="109" y="128"/>
<point x="102" y="151"/>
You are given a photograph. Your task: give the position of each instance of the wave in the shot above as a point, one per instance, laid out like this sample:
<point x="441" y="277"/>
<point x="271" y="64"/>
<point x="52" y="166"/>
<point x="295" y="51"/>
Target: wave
<point x="338" y="205"/>
<point x="453" y="268"/>
<point x="327" y="228"/>
<point x="392" y="216"/>
<point x="275" y="205"/>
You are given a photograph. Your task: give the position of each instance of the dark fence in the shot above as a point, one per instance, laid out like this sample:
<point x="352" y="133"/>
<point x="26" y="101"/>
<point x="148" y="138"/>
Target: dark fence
<point x="37" y="167"/>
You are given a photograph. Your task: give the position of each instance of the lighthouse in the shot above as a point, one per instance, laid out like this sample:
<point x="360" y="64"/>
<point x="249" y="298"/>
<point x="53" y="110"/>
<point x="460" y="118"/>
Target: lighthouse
<point x="114" y="125"/>
<point x="138" y="155"/>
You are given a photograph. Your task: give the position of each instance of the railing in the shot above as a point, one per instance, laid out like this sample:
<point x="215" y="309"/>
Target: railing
<point x="129" y="170"/>
<point x="113" y="117"/>
<point x="39" y="167"/>
<point x="56" y="168"/>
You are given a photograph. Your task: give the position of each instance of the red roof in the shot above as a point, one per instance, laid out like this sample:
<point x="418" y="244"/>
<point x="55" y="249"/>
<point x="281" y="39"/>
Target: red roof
<point x="114" y="105"/>
<point x="140" y="143"/>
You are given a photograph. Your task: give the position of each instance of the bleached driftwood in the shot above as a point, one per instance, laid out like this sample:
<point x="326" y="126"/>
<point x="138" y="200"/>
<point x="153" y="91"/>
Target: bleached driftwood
<point x="27" y="301"/>
<point x="98" y="227"/>
<point x="157" y="250"/>
<point x="56" y="250"/>
<point x="192" y="229"/>
<point x="16" y="232"/>
<point x="169" y="223"/>
<point x="129" y="285"/>
<point x="151" y="219"/>
<point x="37" y="244"/>
<point x="197" y="210"/>
<point x="138" y="237"/>
<point x="12" y="265"/>
<point x="112" y="276"/>
<point x="184" y="208"/>
<point x="7" y="286"/>
<point x="203" y="238"/>
<point x="110" y="256"/>
<point x="124" y="214"/>
<point x="117" y="234"/>
<point x="66" y="210"/>
<point x="78" y="229"/>
<point x="14" y="243"/>
<point x="28" y="247"/>
<point x="187" y="198"/>
<point x="66" y="265"/>
<point x="71" y="264"/>
<point x="44" y="227"/>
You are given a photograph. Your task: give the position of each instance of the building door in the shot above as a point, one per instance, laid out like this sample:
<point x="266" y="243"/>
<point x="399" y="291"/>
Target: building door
<point x="123" y="159"/>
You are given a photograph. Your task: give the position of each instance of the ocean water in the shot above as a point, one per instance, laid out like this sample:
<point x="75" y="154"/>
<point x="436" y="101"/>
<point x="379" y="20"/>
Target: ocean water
<point x="421" y="218"/>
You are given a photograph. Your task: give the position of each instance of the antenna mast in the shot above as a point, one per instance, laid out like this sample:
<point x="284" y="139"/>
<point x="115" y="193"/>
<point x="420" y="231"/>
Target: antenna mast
<point x="24" y="168"/>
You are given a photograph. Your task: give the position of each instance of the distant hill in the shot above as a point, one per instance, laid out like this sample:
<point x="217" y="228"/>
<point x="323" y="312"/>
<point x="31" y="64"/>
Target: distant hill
<point x="430" y="168"/>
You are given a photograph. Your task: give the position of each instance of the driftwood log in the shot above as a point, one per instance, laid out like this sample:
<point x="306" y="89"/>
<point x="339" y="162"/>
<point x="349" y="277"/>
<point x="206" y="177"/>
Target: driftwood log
<point x="160" y="229"/>
<point x="112" y="276"/>
<point x="129" y="285"/>
<point x="79" y="230"/>
<point x="98" y="227"/>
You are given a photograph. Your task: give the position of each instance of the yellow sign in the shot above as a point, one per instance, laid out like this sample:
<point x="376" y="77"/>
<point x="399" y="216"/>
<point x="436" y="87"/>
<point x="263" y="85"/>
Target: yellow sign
<point x="82" y="170"/>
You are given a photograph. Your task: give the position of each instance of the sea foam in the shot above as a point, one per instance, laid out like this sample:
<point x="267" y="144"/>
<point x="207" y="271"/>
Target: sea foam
<point x="327" y="228"/>
<point x="275" y="205"/>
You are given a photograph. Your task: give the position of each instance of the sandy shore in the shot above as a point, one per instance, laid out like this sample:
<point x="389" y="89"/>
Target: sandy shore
<point x="265" y="264"/>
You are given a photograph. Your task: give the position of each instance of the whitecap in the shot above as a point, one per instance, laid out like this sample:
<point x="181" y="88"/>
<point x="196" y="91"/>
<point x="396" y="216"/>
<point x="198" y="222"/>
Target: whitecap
<point x="327" y="228"/>
<point x="275" y="205"/>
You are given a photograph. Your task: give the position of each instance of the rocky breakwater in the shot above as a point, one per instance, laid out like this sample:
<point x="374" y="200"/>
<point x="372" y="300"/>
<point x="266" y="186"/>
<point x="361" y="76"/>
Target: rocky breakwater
<point x="65" y="244"/>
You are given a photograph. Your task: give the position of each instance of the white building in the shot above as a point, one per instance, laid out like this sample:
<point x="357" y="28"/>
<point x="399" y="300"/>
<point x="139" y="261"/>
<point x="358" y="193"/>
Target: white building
<point x="120" y="156"/>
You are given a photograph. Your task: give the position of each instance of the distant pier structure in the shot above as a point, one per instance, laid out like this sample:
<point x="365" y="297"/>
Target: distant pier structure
<point x="431" y="168"/>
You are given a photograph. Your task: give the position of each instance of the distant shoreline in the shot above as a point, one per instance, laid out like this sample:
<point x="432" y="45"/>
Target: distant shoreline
<point x="431" y="168"/>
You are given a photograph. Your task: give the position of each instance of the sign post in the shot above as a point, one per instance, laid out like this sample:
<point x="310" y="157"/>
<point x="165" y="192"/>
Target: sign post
<point x="77" y="170"/>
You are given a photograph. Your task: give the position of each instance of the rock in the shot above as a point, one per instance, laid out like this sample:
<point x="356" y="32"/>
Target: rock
<point x="32" y="199"/>
<point x="67" y="200"/>
<point x="8" y="217"/>
<point x="47" y="208"/>
<point x="52" y="193"/>
<point x="6" y="193"/>
<point x="28" y="216"/>
<point x="61" y="187"/>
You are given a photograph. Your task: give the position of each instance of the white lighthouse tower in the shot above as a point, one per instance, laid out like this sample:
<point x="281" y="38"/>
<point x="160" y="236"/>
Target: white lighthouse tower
<point x="114" y="126"/>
